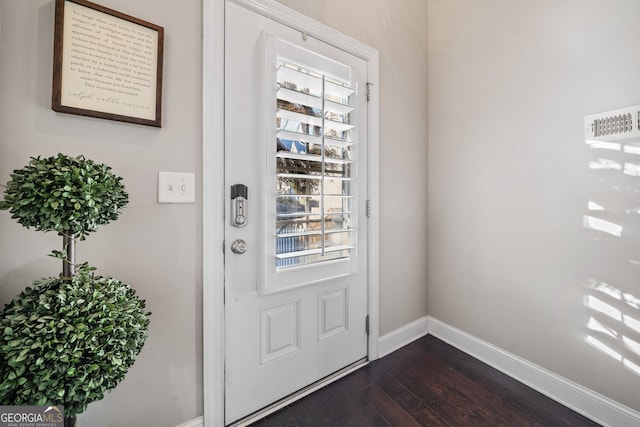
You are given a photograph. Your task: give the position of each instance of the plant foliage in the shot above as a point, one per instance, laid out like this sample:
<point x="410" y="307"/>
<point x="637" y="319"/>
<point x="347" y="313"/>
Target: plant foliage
<point x="64" y="194"/>
<point x="69" y="342"/>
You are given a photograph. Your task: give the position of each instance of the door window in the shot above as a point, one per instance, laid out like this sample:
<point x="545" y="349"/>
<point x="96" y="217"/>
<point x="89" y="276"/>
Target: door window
<point x="314" y="153"/>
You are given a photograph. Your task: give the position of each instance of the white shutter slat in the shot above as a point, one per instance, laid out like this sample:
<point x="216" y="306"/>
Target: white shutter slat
<point x="299" y="117"/>
<point x="338" y="142"/>
<point x="300" y="234"/>
<point x="338" y="126"/>
<point x="299" y="176"/>
<point x="298" y="136"/>
<point x="301" y="98"/>
<point x="314" y="251"/>
<point x="312" y="158"/>
<point x="290" y="75"/>
<point x="338" y="91"/>
<point x="306" y="215"/>
<point x="337" y="108"/>
<point x="299" y="156"/>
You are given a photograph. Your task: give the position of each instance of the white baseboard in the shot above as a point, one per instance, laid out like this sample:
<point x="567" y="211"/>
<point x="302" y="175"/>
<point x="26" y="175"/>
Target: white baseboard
<point x="394" y="340"/>
<point x="196" y="422"/>
<point x="584" y="401"/>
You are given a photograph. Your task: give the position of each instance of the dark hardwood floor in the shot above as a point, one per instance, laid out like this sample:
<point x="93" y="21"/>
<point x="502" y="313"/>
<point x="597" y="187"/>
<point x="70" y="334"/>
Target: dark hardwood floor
<point x="427" y="383"/>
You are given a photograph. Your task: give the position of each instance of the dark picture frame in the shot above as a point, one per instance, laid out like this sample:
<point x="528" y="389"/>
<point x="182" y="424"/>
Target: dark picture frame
<point x="106" y="64"/>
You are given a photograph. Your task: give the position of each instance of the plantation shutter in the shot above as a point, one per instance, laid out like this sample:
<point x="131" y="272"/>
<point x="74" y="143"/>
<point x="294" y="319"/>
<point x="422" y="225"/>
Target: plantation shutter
<point x="312" y="150"/>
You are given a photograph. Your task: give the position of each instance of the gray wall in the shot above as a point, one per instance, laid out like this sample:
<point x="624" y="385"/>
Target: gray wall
<point x="155" y="248"/>
<point x="512" y="260"/>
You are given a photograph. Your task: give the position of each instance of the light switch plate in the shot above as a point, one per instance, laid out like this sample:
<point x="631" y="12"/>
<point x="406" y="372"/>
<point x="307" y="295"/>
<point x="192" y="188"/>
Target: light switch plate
<point x="176" y="187"/>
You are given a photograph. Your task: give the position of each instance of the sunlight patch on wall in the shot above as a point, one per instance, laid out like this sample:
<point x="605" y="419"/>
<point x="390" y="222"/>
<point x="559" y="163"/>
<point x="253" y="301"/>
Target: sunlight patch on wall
<point x="632" y="169"/>
<point x="631" y="323"/>
<point x="593" y="206"/>
<point x="604" y="348"/>
<point x="613" y="330"/>
<point x="635" y="210"/>
<point x="602" y="225"/>
<point x="631" y="345"/>
<point x="596" y="326"/>
<point x="632" y="149"/>
<point x="631" y="366"/>
<point x="615" y="293"/>
<point x="605" y="164"/>
<point x="603" y="145"/>
<point x="631" y="300"/>
<point x="604" y="308"/>
<point x="606" y="288"/>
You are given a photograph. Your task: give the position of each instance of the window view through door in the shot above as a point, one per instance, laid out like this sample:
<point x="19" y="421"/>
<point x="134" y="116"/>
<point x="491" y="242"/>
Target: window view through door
<point x="314" y="159"/>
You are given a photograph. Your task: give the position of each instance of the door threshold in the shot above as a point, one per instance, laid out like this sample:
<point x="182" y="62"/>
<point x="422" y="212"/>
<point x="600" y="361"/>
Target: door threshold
<point x="287" y="400"/>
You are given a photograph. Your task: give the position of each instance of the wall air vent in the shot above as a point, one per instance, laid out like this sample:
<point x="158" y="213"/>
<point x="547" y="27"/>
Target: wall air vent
<point x="615" y="125"/>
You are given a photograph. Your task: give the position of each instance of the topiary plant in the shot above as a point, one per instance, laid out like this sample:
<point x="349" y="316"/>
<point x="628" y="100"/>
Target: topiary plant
<point x="69" y="195"/>
<point x="69" y="342"/>
<point x="70" y="339"/>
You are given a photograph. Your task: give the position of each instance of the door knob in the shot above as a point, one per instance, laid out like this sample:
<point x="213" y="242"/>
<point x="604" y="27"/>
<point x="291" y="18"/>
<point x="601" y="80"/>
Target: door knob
<point x="239" y="246"/>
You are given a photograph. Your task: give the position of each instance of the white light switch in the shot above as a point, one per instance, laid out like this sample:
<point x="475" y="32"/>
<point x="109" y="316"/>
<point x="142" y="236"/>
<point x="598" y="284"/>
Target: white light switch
<point x="176" y="187"/>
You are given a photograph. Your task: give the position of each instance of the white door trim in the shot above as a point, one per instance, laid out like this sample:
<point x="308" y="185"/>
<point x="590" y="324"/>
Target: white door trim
<point x="213" y="182"/>
<point x="212" y="211"/>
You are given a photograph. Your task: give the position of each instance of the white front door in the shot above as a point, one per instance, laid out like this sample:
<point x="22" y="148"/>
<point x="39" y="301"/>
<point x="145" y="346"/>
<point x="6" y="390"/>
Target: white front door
<point x="296" y="197"/>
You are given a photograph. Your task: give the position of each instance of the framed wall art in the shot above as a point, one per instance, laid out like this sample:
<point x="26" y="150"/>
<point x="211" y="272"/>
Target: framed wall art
<point x="106" y="64"/>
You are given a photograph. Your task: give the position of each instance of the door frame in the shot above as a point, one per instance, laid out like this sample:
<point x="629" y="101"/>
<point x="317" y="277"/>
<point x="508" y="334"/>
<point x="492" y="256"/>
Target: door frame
<point x="213" y="202"/>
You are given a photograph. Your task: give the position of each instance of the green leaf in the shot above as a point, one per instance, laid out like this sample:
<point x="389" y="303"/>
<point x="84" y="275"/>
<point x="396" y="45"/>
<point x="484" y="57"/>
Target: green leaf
<point x="23" y="355"/>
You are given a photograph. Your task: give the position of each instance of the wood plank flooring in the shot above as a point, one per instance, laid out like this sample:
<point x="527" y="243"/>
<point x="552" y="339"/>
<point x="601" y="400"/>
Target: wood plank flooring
<point x="427" y="383"/>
